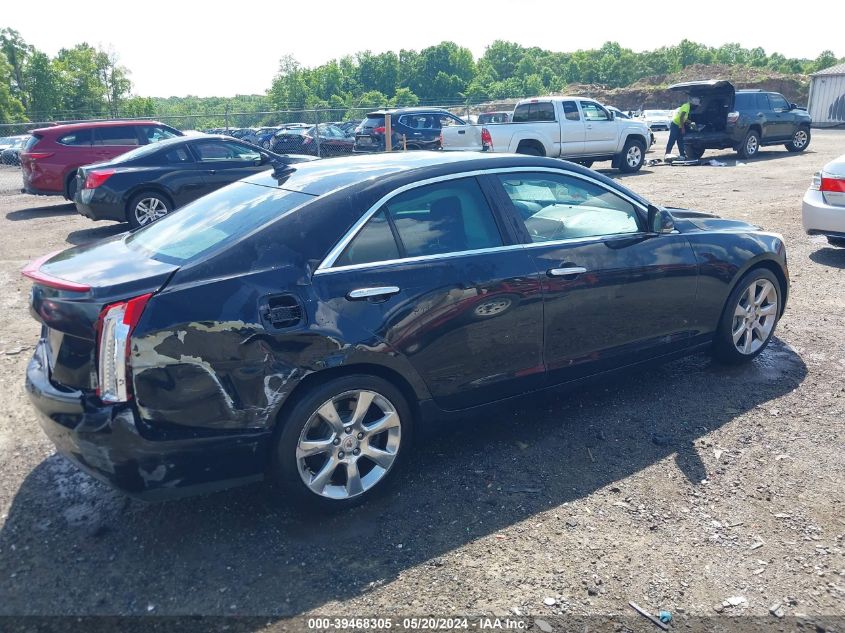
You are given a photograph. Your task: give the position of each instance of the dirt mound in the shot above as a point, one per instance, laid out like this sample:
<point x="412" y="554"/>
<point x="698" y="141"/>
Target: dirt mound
<point x="651" y="92"/>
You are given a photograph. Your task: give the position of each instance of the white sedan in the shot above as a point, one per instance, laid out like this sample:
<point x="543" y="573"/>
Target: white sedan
<point x="823" y="211"/>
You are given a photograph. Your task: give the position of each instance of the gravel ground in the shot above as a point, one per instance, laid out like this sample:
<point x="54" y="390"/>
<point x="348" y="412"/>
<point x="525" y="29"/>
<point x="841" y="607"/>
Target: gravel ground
<point x="678" y="487"/>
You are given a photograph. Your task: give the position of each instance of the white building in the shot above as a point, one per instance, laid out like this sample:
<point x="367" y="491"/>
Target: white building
<point x="827" y="97"/>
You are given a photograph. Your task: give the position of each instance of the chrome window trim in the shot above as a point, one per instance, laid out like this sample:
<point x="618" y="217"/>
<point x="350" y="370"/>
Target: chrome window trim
<point x="420" y="258"/>
<point x="327" y="265"/>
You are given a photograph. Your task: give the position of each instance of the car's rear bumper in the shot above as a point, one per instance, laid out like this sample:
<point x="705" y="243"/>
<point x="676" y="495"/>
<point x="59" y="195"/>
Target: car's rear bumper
<point x="820" y="218"/>
<point x="111" y="443"/>
<point x="99" y="205"/>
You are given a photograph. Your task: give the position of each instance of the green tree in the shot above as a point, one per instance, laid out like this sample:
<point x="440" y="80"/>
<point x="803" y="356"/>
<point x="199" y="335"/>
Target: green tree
<point x="825" y="60"/>
<point x="17" y="52"/>
<point x="405" y="98"/>
<point x="11" y="109"/>
<point x="42" y="86"/>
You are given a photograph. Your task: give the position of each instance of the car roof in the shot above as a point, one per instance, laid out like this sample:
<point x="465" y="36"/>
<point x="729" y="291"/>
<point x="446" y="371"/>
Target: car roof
<point x="408" y="110"/>
<point x="320" y="177"/>
<point x="84" y="125"/>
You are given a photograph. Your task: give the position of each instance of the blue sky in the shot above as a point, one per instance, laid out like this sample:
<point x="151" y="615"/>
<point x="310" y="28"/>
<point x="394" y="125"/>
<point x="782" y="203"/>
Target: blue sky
<point x="215" y="48"/>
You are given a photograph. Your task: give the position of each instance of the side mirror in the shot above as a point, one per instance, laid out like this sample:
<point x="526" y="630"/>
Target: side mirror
<point x="793" y="106"/>
<point x="660" y="220"/>
<point x="612" y="114"/>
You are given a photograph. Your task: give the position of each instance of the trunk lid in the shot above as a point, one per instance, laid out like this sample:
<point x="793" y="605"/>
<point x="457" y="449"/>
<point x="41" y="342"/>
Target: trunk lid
<point x="71" y="289"/>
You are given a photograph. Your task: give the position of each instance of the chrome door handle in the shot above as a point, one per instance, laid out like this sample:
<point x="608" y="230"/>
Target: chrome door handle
<point x="565" y="272"/>
<point x="369" y="293"/>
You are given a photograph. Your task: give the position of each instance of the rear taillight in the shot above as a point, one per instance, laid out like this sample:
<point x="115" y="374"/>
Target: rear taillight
<point x="307" y="140"/>
<point x="733" y="117"/>
<point x="36" y="155"/>
<point x="97" y="177"/>
<point x="832" y="185"/>
<point x="115" y="326"/>
<point x="486" y="139"/>
<point x="379" y="130"/>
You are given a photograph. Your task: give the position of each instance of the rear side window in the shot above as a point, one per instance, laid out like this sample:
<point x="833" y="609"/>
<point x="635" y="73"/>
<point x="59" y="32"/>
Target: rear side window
<point x="214" y="220"/>
<point x="178" y="155"/>
<point x="745" y="101"/>
<point x="373" y="121"/>
<point x="524" y="112"/>
<point x="570" y="111"/>
<point x="79" y="137"/>
<point x="445" y="217"/>
<point x="763" y="101"/>
<point x="116" y="135"/>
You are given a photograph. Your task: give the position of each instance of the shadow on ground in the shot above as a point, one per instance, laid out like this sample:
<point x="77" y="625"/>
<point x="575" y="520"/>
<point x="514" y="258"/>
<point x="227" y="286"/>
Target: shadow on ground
<point x="83" y="236"/>
<point x="71" y="546"/>
<point x="45" y="211"/>
<point x="829" y="256"/>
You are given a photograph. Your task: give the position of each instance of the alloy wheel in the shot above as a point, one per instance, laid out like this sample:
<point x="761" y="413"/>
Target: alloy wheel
<point x="751" y="145"/>
<point x="754" y="316"/>
<point x="634" y="156"/>
<point x="799" y="140"/>
<point x="349" y="444"/>
<point x="149" y="210"/>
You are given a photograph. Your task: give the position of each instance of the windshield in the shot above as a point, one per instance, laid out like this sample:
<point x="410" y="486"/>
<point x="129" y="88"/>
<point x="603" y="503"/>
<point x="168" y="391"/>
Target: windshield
<point x="213" y="220"/>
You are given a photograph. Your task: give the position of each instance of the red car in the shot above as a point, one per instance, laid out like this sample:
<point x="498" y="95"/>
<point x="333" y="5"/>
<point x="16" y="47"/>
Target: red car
<point x="51" y="157"/>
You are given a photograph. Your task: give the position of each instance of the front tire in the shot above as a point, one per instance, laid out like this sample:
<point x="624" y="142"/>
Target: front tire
<point x="632" y="157"/>
<point x="750" y="145"/>
<point x="836" y="241"/>
<point x="800" y="140"/>
<point x="146" y="207"/>
<point x="749" y="319"/>
<point x="342" y="442"/>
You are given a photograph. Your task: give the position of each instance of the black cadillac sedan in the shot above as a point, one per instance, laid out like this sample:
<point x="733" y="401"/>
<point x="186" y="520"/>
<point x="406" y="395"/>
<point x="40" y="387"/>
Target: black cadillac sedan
<point x="145" y="184"/>
<point x="298" y="324"/>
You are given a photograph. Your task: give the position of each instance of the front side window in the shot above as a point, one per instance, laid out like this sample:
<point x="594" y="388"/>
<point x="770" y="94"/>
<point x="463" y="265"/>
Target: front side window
<point x="121" y="135"/>
<point x="778" y="103"/>
<point x="446" y="217"/>
<point x="559" y="207"/>
<point x="217" y="151"/>
<point x="155" y="133"/>
<point x="594" y="112"/>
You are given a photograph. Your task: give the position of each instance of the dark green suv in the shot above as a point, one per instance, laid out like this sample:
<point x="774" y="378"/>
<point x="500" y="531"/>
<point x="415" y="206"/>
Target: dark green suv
<point x="744" y="120"/>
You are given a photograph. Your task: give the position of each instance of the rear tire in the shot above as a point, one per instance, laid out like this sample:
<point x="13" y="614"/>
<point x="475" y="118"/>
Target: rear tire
<point x="146" y="207"/>
<point x="632" y="157"/>
<point x="836" y="241"/>
<point x="585" y="163"/>
<point x="749" y="318"/>
<point x="694" y="152"/>
<point x="70" y="188"/>
<point x="314" y="460"/>
<point x="750" y="145"/>
<point x="800" y="140"/>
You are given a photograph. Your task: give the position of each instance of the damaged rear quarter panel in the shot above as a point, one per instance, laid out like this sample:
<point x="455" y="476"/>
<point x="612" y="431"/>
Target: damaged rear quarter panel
<point x="202" y="358"/>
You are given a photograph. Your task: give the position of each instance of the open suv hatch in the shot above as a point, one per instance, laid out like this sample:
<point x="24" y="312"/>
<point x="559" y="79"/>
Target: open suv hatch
<point x="744" y="120"/>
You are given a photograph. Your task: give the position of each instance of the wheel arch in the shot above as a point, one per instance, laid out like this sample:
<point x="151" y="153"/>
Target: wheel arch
<point x="530" y="142"/>
<point x="317" y="378"/>
<point x="774" y="267"/>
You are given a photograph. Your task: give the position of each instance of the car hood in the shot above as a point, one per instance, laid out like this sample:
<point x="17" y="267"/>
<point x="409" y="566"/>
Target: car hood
<point x="687" y="220"/>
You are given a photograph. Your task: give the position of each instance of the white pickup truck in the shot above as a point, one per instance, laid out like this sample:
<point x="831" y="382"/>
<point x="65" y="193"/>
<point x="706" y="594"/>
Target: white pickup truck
<point x="575" y="128"/>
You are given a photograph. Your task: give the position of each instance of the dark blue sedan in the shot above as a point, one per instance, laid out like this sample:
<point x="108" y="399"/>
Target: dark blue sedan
<point x="299" y="324"/>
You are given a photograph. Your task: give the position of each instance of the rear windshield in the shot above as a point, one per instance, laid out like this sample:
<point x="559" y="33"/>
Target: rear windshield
<point x="373" y="121"/>
<point x="31" y="142"/>
<point x="219" y="218"/>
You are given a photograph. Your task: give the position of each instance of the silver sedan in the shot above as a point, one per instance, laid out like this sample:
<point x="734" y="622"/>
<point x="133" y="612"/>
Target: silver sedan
<point x="823" y="210"/>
